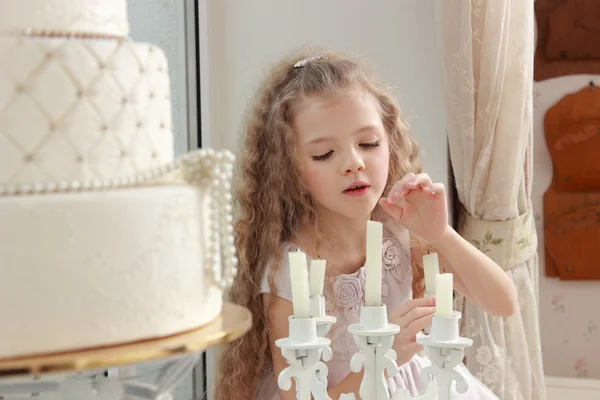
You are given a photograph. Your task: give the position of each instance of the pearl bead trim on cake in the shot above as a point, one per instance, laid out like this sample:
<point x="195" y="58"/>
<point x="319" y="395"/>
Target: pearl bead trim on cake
<point x="50" y="33"/>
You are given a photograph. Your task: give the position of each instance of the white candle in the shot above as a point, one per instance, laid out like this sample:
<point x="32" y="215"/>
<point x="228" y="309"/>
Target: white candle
<point x="444" y="304"/>
<point x="316" y="277"/>
<point x="373" y="263"/>
<point x="431" y="268"/>
<point x="299" y="278"/>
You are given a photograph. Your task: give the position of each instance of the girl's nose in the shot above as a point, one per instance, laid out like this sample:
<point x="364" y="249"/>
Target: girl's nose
<point x="353" y="163"/>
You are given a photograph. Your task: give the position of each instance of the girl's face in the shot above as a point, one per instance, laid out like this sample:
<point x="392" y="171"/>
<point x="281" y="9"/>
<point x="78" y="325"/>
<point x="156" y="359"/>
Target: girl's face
<point x="343" y="152"/>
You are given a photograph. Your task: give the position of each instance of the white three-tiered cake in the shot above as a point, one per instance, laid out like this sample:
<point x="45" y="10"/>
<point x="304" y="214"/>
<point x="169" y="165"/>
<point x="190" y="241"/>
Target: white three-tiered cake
<point x="105" y="237"/>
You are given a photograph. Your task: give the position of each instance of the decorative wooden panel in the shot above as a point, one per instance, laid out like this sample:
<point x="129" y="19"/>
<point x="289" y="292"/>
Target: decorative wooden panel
<point x="572" y="236"/>
<point x="572" y="130"/>
<point x="568" y="38"/>
<point x="572" y="202"/>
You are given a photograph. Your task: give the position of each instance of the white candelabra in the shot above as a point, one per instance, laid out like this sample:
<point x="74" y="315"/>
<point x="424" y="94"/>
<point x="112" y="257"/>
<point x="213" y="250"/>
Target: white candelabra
<point x="304" y="348"/>
<point x="445" y="350"/>
<point x="374" y="336"/>
<point x="307" y="344"/>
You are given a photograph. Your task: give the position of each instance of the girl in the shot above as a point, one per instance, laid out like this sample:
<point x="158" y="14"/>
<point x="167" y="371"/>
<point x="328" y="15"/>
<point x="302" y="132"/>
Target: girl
<point x="326" y="149"/>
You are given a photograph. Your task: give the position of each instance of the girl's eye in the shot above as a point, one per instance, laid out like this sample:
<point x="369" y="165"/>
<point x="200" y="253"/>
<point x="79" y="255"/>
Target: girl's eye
<point x="374" y="144"/>
<point x="323" y="156"/>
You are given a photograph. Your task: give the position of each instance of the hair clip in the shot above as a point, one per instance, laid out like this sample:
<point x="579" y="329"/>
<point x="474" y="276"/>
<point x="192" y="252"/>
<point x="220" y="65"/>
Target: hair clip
<point x="305" y="61"/>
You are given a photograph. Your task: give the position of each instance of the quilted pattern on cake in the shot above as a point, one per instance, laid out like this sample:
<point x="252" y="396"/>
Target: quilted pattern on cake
<point x="80" y="109"/>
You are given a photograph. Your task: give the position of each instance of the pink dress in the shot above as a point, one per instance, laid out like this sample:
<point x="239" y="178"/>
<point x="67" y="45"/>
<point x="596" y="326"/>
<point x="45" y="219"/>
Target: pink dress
<point x="348" y="295"/>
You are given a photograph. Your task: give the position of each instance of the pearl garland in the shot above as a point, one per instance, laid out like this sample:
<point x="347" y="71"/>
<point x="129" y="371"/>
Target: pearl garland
<point x="210" y="170"/>
<point x="213" y="171"/>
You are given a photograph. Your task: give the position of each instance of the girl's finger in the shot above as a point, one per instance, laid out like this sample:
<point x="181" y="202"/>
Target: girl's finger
<point x="401" y="187"/>
<point x="435" y="189"/>
<point x="412" y="304"/>
<point x="423" y="180"/>
<point x="413" y="316"/>
<point x="419" y="324"/>
<point x="393" y="210"/>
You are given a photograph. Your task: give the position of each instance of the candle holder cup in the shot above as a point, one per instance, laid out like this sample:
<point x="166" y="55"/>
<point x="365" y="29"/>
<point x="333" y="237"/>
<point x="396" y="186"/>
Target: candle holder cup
<point x="317" y="311"/>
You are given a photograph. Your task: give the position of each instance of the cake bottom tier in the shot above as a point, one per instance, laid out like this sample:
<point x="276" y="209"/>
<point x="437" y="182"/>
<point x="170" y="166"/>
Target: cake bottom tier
<point x="93" y="269"/>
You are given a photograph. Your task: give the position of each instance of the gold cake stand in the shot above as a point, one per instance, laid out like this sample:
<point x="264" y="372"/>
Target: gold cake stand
<point x="233" y="323"/>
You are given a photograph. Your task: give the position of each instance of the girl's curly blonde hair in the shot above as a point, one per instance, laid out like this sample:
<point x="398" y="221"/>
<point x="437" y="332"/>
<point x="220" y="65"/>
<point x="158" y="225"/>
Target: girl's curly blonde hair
<point x="272" y="204"/>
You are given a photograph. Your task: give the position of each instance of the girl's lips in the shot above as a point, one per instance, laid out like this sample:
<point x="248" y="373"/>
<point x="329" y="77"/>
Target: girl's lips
<point x="357" y="192"/>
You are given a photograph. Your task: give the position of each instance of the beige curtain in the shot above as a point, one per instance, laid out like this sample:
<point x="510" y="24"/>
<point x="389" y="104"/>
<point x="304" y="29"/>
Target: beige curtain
<point x="487" y="58"/>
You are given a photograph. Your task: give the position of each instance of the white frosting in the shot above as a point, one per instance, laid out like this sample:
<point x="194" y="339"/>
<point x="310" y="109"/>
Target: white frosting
<point x="104" y="17"/>
<point x="99" y="268"/>
<point x="82" y="109"/>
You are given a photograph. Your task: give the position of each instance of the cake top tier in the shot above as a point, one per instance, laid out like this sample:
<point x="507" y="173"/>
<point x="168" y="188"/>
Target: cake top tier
<point x="64" y="17"/>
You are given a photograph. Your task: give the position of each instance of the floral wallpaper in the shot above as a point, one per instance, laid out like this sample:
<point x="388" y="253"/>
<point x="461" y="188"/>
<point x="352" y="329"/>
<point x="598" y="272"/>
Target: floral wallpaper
<point x="569" y="310"/>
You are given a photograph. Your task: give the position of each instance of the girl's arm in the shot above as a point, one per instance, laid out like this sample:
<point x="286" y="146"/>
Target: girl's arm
<point x="277" y="325"/>
<point x="420" y="206"/>
<point x="488" y="285"/>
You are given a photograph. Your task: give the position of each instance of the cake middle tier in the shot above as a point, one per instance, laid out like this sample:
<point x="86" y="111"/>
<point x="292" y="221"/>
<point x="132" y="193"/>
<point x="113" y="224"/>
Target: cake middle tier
<point x="82" y="109"/>
<point x="89" y="269"/>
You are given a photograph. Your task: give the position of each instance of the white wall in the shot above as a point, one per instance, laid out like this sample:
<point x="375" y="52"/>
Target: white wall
<point x="244" y="37"/>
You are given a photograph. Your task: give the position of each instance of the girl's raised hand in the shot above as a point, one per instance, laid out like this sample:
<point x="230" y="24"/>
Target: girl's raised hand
<point x="419" y="205"/>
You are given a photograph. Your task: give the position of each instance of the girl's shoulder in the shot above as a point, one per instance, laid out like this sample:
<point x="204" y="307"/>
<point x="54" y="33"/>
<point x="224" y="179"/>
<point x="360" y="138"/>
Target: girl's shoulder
<point x="282" y="276"/>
